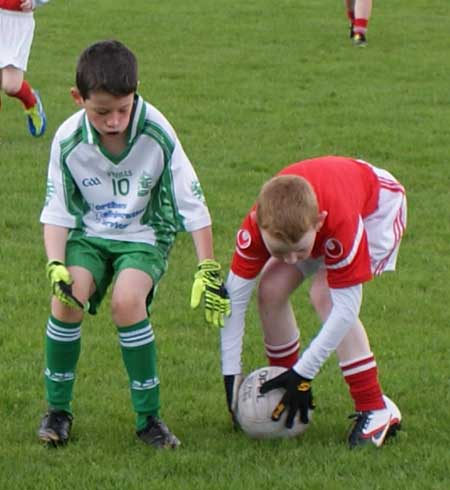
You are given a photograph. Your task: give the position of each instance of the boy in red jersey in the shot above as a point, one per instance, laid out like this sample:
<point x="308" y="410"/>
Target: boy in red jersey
<point x="16" y="36"/>
<point x="340" y="220"/>
<point x="358" y="13"/>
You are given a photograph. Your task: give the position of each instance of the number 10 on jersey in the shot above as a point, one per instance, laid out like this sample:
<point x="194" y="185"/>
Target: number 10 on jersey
<point x="121" y="186"/>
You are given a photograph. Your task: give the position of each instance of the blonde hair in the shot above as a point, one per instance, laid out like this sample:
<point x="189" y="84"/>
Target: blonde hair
<point x="287" y="208"/>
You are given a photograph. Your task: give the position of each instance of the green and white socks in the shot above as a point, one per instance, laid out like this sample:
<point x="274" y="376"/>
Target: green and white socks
<point x="62" y="348"/>
<point x="139" y="355"/>
<point x="137" y="342"/>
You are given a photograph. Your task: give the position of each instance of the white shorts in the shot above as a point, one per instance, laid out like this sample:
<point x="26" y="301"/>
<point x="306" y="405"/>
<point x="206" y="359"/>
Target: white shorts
<point x="16" y="36"/>
<point x="384" y="228"/>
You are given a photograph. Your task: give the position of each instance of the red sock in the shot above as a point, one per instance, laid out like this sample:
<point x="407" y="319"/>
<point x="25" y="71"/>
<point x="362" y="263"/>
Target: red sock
<point x="361" y="375"/>
<point x="283" y="355"/>
<point x="360" y="26"/>
<point x="25" y="95"/>
<point x="351" y="16"/>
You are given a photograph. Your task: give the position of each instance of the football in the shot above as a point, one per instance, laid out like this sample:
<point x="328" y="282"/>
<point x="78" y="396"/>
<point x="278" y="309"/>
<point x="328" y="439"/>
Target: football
<point x="254" y="410"/>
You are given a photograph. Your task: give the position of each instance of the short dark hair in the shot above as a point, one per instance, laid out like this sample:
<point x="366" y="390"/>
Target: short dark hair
<point x="109" y="66"/>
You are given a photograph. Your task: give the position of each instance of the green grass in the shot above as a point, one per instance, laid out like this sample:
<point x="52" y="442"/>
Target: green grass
<point x="250" y="87"/>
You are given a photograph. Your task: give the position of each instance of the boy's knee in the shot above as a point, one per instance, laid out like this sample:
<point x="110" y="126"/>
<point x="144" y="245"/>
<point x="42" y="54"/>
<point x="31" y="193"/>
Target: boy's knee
<point x="65" y="313"/>
<point x="125" y="305"/>
<point x="119" y="305"/>
<point x="11" y="85"/>
<point x="270" y="292"/>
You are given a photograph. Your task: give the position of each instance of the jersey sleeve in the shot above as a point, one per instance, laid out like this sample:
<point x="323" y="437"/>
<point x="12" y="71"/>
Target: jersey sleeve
<point x="55" y="210"/>
<point x="344" y="315"/>
<point x="347" y="257"/>
<point x="249" y="257"/>
<point x="250" y="253"/>
<point x="232" y="334"/>
<point x="189" y="200"/>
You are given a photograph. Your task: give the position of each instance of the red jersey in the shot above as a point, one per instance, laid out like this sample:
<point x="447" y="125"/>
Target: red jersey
<point x="10" y="4"/>
<point x="348" y="191"/>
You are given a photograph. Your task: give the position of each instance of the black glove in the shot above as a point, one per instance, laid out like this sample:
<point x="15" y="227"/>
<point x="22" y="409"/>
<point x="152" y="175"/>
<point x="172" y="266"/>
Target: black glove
<point x="232" y="382"/>
<point x="298" y="396"/>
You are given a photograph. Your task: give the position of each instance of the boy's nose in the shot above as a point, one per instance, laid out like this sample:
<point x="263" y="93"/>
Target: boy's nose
<point x="113" y="120"/>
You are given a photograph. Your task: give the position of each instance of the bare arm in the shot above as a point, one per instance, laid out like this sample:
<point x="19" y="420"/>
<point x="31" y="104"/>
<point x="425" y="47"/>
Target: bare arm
<point x="55" y="238"/>
<point x="203" y="243"/>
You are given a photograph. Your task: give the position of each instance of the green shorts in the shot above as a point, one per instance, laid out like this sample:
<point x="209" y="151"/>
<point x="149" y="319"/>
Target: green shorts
<point x="104" y="259"/>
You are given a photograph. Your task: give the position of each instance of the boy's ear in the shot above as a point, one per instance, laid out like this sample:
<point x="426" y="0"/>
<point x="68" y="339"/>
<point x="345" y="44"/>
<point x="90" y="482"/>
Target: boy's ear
<point x="321" y="220"/>
<point x="76" y="96"/>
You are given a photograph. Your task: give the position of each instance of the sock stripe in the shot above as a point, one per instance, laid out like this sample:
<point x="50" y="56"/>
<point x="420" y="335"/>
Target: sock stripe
<point x="60" y="334"/>
<point x="279" y="351"/>
<point x="359" y="369"/>
<point x="358" y="365"/>
<point x="137" y="338"/>
<point x="282" y="353"/>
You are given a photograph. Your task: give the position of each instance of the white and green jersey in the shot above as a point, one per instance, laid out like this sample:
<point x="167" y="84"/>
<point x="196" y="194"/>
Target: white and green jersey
<point x="146" y="195"/>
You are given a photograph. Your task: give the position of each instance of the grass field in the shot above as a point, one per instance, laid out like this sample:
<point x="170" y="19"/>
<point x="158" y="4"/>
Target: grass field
<point x="250" y="87"/>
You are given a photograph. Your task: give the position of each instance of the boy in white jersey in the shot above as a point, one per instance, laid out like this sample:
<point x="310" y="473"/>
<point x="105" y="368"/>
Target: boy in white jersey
<point x="342" y="220"/>
<point x="119" y="189"/>
<point x="16" y="37"/>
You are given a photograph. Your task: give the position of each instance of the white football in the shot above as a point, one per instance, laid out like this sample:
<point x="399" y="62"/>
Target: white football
<point x="254" y="410"/>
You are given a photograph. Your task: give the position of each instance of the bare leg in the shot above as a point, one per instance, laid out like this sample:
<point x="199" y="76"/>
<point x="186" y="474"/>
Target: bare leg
<point x="363" y="9"/>
<point x="354" y="345"/>
<point x="277" y="283"/>
<point x="350" y="12"/>
<point x="11" y="80"/>
<point x="83" y="287"/>
<point x="349" y="4"/>
<point x="319" y="295"/>
<point x="129" y="296"/>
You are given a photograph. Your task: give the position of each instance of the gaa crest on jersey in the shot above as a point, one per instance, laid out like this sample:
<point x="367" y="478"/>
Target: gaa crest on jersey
<point x="49" y="192"/>
<point x="197" y="190"/>
<point x="243" y="239"/>
<point x="144" y="184"/>
<point x="333" y="248"/>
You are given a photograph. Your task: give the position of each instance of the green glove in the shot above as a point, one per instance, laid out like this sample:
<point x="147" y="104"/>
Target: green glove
<point x="208" y="282"/>
<point x="61" y="283"/>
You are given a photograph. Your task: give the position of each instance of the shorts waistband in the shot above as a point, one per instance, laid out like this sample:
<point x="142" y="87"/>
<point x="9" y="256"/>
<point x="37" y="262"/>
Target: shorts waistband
<point x="16" y="13"/>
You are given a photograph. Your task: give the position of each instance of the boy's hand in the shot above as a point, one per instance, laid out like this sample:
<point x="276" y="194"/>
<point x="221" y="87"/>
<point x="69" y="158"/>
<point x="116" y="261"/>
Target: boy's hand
<point x="298" y="396"/>
<point x="208" y="282"/>
<point x="61" y="282"/>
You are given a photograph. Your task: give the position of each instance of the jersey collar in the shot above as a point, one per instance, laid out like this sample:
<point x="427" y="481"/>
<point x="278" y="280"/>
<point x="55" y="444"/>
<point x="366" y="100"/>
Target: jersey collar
<point x="90" y="135"/>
